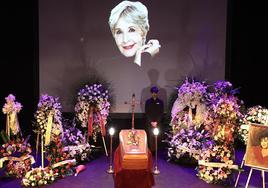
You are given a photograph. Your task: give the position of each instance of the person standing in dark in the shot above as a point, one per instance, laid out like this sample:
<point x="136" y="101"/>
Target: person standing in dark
<point x="154" y="111"/>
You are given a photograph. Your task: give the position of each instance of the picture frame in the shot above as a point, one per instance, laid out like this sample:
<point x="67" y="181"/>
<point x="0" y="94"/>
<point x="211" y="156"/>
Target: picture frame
<point x="256" y="155"/>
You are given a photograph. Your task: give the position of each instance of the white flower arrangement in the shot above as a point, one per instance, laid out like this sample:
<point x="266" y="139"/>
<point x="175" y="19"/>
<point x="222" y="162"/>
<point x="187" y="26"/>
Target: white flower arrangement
<point x="188" y="135"/>
<point x="191" y="95"/>
<point x="255" y="114"/>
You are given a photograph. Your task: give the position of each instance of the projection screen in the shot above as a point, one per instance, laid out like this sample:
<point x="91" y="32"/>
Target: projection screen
<point x="75" y="43"/>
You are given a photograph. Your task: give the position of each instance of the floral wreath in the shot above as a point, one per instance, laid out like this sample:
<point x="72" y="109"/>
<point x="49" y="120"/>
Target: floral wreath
<point x="17" y="155"/>
<point x="192" y="95"/>
<point x="11" y="108"/>
<point x="92" y="109"/>
<point x="188" y="134"/>
<point x="133" y="138"/>
<point x="255" y="114"/>
<point x="48" y="106"/>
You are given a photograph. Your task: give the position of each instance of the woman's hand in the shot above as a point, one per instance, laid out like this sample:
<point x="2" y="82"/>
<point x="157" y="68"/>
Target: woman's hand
<point x="152" y="47"/>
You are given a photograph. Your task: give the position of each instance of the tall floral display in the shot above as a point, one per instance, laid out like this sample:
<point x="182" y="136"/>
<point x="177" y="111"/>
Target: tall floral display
<point x="47" y="123"/>
<point x="48" y="126"/>
<point x="217" y="160"/>
<point x="11" y="109"/>
<point x="15" y="151"/>
<point x="48" y="118"/>
<point x="189" y="113"/>
<point x="92" y="109"/>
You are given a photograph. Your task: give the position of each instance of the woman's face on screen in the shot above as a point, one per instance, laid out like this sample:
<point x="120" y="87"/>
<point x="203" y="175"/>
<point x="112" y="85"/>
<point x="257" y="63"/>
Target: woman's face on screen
<point x="128" y="37"/>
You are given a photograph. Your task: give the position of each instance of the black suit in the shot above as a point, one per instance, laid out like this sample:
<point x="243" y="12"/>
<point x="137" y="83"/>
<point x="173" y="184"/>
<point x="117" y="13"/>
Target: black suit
<point x="154" y="110"/>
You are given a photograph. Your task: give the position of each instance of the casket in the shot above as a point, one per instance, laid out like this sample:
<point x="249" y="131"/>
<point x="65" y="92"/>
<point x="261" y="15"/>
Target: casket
<point x="133" y="156"/>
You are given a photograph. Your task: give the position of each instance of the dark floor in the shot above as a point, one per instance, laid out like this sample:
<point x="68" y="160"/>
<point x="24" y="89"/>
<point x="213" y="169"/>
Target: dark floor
<point x="171" y="176"/>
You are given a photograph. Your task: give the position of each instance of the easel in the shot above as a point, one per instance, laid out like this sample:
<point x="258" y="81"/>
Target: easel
<point x="241" y="166"/>
<point x="250" y="173"/>
<point x="262" y="174"/>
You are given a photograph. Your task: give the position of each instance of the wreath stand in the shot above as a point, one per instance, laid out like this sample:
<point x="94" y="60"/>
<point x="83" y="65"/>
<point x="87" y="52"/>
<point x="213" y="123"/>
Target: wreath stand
<point x="250" y="173"/>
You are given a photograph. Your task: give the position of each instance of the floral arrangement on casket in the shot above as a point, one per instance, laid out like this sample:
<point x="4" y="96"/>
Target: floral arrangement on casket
<point x="92" y="109"/>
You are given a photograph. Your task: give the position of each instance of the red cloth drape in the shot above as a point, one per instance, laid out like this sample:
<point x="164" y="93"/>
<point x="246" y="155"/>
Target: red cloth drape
<point x="124" y="178"/>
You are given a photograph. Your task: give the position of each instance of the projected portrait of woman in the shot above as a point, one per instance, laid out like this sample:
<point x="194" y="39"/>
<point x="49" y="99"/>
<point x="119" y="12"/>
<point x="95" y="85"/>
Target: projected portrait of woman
<point x="129" y="25"/>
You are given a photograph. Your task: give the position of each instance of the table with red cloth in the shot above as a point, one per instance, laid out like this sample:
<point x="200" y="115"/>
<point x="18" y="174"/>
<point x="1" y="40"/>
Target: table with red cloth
<point x="129" y="178"/>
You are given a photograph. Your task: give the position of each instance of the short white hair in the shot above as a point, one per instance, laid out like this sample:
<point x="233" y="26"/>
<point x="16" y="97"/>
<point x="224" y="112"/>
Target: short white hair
<point x="136" y="11"/>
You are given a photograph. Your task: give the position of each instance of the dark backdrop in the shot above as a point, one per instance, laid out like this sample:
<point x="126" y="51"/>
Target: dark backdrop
<point x="245" y="55"/>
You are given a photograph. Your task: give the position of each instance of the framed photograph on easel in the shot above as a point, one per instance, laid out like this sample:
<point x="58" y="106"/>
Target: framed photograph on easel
<point x="257" y="147"/>
<point x="256" y="155"/>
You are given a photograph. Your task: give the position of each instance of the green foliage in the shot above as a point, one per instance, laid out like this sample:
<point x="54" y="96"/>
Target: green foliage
<point x="4" y="137"/>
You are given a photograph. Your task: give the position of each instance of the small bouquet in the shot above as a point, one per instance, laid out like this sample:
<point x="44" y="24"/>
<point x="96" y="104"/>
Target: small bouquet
<point x="38" y="177"/>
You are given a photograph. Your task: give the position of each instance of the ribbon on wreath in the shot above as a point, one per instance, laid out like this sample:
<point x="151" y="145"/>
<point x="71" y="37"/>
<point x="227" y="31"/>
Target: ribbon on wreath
<point x="102" y="124"/>
<point x="12" y="124"/>
<point x="217" y="165"/>
<point x="191" y="151"/>
<point x="61" y="163"/>
<point x="90" y="123"/>
<point x="77" y="147"/>
<point x="49" y="128"/>
<point x="22" y="158"/>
